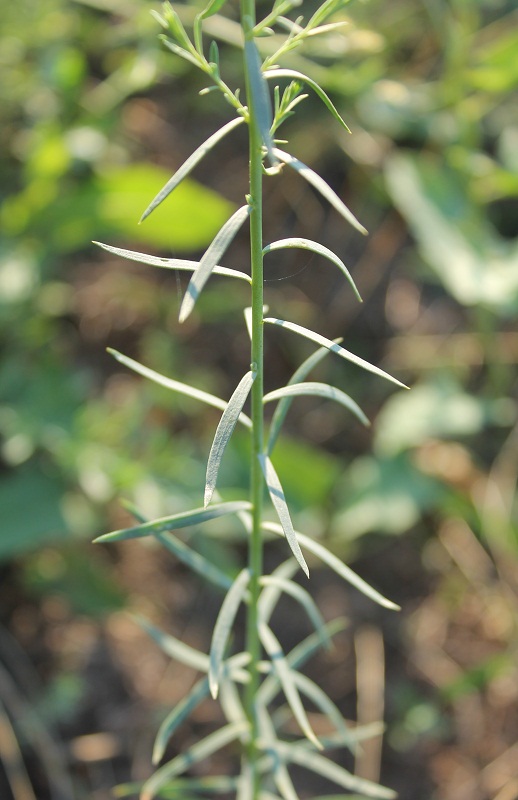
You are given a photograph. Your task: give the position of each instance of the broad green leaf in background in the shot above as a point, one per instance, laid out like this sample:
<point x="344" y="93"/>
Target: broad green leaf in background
<point x="474" y="263"/>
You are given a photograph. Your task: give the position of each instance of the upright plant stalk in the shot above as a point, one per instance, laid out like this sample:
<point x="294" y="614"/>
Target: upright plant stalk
<point x="247" y="685"/>
<point x="255" y="547"/>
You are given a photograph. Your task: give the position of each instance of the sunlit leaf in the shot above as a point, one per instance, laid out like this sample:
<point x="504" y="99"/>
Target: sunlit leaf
<point x="317" y="696"/>
<point x="224" y="431"/>
<point x="318" y="390"/>
<point x="284" y="674"/>
<point x="315" y="247"/>
<point x="182" y="520"/>
<point x="334" y="348"/>
<point x="180" y="712"/>
<point x="230" y="700"/>
<point x="176" y="386"/>
<point x="194" y="560"/>
<point x="211" y="257"/>
<point x="299" y="76"/>
<point x="276" y="766"/>
<point x="223" y="628"/>
<point x="271" y="594"/>
<point x="199" y="751"/>
<point x="338" y="566"/>
<point x="170" y="263"/>
<point x="279" y="502"/>
<point x="260" y="100"/>
<point x="321" y="186"/>
<point x="191" y="162"/>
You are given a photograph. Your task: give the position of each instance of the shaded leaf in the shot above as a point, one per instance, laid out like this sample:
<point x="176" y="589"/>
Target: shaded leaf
<point x="224" y="431"/>
<point x="334" y="348"/>
<point x="321" y="186"/>
<point x="199" y="751"/>
<point x="315" y="247"/>
<point x="182" y="520"/>
<point x="175" y="386"/>
<point x="194" y="560"/>
<point x="174" y="719"/>
<point x="193" y="159"/>
<point x="303" y="597"/>
<point x="223" y="628"/>
<point x="174" y="648"/>
<point x="211" y="257"/>
<point x="279" y="502"/>
<point x="284" y="674"/>
<point x="170" y="263"/>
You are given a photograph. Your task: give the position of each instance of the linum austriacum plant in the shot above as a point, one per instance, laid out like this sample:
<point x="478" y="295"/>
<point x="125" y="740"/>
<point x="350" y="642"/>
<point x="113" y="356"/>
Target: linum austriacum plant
<point x="248" y="682"/>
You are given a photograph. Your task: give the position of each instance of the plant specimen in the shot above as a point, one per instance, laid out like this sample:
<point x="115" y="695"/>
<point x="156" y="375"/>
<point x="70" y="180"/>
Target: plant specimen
<point x="248" y="682"/>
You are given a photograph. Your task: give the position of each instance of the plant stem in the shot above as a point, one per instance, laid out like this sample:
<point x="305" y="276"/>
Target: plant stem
<point x="255" y="559"/>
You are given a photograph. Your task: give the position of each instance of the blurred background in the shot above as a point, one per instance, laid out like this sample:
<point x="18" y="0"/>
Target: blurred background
<point x="94" y="118"/>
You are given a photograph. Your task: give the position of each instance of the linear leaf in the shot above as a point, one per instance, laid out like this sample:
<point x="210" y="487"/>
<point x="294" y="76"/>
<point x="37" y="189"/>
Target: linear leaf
<point x="276" y="766"/>
<point x="182" y="520"/>
<point x="230" y="700"/>
<point x="260" y="98"/>
<point x="335" y="348"/>
<point x="212" y="8"/>
<point x="317" y="695"/>
<point x="318" y="390"/>
<point x="279" y="415"/>
<point x="191" y="162"/>
<point x="315" y="247"/>
<point x="271" y="594"/>
<point x="223" y="627"/>
<point x="338" y="566"/>
<point x="178" y="51"/>
<point x="210" y="258"/>
<point x="224" y="431"/>
<point x="194" y="560"/>
<point x="321" y="186"/>
<point x="174" y="648"/>
<point x="328" y="769"/>
<point x="299" y="76"/>
<point x="175" y="386"/>
<point x="215" y="741"/>
<point x="279" y="503"/>
<point x="180" y="712"/>
<point x="170" y="263"/>
<point x="297" y="658"/>
<point x="284" y="674"/>
<point x="304" y="598"/>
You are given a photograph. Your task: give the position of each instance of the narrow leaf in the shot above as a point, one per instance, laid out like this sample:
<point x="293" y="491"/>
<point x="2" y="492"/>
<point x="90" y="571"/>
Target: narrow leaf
<point x="283" y="405"/>
<point x="182" y="520"/>
<point x="170" y="263"/>
<point x="299" y="76"/>
<point x="315" y="247"/>
<point x="284" y="674"/>
<point x="223" y="627"/>
<point x="191" y="162"/>
<point x="279" y="503"/>
<point x="180" y="712"/>
<point x="271" y="594"/>
<point x="260" y="97"/>
<point x="198" y="752"/>
<point x="185" y="54"/>
<point x="230" y="700"/>
<point x="317" y="696"/>
<point x="333" y="772"/>
<point x="211" y="257"/>
<point x="321" y="186"/>
<point x="318" y="390"/>
<point x="194" y="560"/>
<point x="335" y="348"/>
<point x="224" y="431"/>
<point x="304" y="598"/>
<point x="338" y="566"/>
<point x="212" y="8"/>
<point x="281" y="775"/>
<point x="175" y="386"/>
<point x="174" y="648"/>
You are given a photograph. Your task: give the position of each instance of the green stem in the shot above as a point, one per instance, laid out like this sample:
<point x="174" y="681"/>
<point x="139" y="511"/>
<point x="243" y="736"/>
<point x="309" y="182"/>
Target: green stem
<point x="255" y="560"/>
